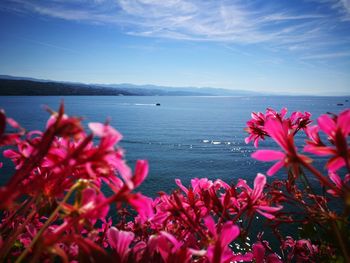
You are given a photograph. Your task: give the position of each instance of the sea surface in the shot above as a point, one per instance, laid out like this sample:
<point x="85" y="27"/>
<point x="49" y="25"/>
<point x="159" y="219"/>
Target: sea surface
<point x="184" y="137"/>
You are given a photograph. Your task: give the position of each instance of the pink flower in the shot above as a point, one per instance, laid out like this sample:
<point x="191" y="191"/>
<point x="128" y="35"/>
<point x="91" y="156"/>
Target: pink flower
<point x="339" y="183"/>
<point x="257" y="200"/>
<point x="120" y="242"/>
<point x="63" y="125"/>
<point x="337" y="130"/>
<point x="279" y="131"/>
<point x="170" y="249"/>
<point x="9" y="138"/>
<point x="141" y="172"/>
<point x="143" y="205"/>
<point x="221" y="236"/>
<point x="300" y="250"/>
<point x="299" y="120"/>
<point x="109" y="136"/>
<point x="90" y="199"/>
<point x="259" y="254"/>
<point x="256" y="128"/>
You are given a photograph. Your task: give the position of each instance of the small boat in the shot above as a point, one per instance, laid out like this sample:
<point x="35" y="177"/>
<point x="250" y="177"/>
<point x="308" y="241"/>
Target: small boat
<point x="340" y="104"/>
<point x="157" y="104"/>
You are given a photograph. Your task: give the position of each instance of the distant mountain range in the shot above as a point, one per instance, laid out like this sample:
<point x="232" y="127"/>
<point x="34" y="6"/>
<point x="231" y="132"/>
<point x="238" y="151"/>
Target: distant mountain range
<point x="11" y="85"/>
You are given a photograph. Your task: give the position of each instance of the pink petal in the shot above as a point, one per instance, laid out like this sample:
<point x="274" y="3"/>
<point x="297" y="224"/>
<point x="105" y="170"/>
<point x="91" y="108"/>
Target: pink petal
<point x="105" y="130"/>
<point x="182" y="187"/>
<point x="258" y="252"/>
<point x="326" y="124"/>
<point x="210" y="224"/>
<point x="248" y="139"/>
<point x="98" y="129"/>
<point x="332" y="192"/>
<point x="277" y="132"/>
<point x="141" y="171"/>
<point x="259" y="184"/>
<point x="143" y="205"/>
<point x="11" y="154"/>
<point x="51" y="121"/>
<point x="172" y="239"/>
<point x="344" y="122"/>
<point x="319" y="150"/>
<point x="267" y="215"/>
<point x="13" y="123"/>
<point x="312" y="133"/>
<point x="268" y="155"/>
<point x="256" y="142"/>
<point x="90" y="199"/>
<point x="283" y="112"/>
<point x="120" y="241"/>
<point x="229" y="232"/>
<point x="271" y="209"/>
<point x="335" y="179"/>
<point x="273" y="258"/>
<point x="274" y="168"/>
<point x="125" y="172"/>
<point x="335" y="164"/>
<point x="88" y="196"/>
<point x="220" y="183"/>
<point x="247" y="257"/>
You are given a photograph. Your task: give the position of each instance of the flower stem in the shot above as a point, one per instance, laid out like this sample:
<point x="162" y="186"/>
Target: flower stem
<point x="9" y="243"/>
<point x="324" y="180"/>
<point x="47" y="224"/>
<point x="341" y="242"/>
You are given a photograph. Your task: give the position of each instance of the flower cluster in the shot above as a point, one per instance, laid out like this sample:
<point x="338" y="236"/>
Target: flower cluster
<point x="73" y="198"/>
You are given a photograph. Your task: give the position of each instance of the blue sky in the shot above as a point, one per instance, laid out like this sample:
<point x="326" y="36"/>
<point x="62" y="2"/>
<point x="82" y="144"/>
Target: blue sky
<point x="280" y="46"/>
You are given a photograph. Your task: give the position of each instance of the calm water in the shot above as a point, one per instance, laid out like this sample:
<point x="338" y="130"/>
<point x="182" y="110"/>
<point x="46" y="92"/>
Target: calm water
<point x="185" y="137"/>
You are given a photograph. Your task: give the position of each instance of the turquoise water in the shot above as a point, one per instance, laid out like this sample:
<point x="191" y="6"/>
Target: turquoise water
<point x="183" y="138"/>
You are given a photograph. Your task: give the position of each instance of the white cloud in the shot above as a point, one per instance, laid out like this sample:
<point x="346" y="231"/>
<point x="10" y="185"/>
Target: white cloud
<point x="333" y="55"/>
<point x="342" y="6"/>
<point x="219" y="21"/>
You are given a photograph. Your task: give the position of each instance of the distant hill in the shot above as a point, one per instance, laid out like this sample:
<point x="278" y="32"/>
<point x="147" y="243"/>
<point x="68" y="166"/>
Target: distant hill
<point x="16" y="86"/>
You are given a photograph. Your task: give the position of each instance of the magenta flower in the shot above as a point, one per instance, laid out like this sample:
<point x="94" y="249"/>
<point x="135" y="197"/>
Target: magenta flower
<point x="340" y="184"/>
<point x="221" y="236"/>
<point x="255" y="127"/>
<point x="109" y="136"/>
<point x="90" y="200"/>
<point x="170" y="249"/>
<point x="280" y="133"/>
<point x="256" y="199"/>
<point x="299" y="120"/>
<point x="140" y="173"/>
<point x="337" y="129"/>
<point x="300" y="250"/>
<point x="9" y="138"/>
<point x="143" y="205"/>
<point x="120" y="242"/>
<point x="259" y="254"/>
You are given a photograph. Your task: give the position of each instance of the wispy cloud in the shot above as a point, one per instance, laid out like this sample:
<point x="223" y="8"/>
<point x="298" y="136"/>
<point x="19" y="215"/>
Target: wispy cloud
<point x="333" y="55"/>
<point x="196" y="20"/>
<point x="49" y="45"/>
<point x="341" y="6"/>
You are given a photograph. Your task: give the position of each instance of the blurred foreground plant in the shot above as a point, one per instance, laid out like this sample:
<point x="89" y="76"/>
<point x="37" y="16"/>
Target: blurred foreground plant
<point x="55" y="207"/>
